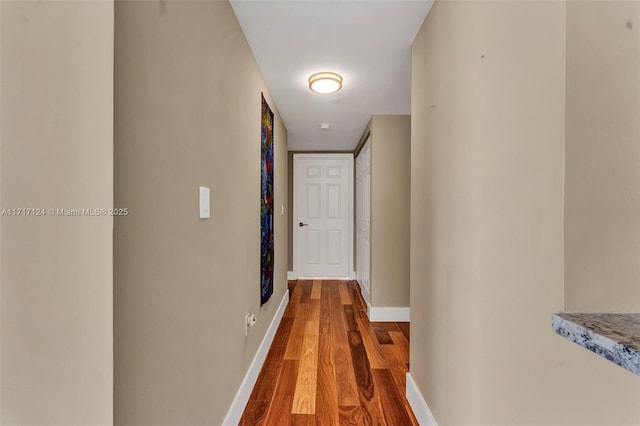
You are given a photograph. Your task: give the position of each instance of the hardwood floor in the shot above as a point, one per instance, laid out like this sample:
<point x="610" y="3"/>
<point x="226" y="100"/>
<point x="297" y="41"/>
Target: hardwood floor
<point x="328" y="365"/>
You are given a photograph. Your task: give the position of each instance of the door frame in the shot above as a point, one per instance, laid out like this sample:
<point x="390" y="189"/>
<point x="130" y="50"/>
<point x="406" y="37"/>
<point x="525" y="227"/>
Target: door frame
<point x="350" y="225"/>
<point x="364" y="286"/>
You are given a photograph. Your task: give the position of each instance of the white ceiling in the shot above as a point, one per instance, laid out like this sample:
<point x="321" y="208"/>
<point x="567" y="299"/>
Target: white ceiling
<point x="368" y="42"/>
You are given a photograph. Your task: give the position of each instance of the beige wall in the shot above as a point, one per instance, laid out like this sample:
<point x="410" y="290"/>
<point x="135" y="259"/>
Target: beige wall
<point x="487" y="193"/>
<point x="188" y="114"/>
<point x="56" y="138"/>
<point x="390" y="199"/>
<point x="602" y="212"/>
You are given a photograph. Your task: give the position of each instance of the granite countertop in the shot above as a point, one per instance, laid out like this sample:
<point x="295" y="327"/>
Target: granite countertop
<point x="615" y="337"/>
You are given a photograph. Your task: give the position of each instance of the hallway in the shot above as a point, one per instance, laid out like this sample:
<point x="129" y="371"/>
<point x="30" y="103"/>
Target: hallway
<point x="329" y="365"/>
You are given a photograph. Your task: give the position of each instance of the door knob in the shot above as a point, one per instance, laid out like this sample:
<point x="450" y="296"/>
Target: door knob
<point x="301" y="224"/>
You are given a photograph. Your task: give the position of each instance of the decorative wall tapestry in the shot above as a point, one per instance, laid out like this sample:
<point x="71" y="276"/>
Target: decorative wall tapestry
<point x="266" y="205"/>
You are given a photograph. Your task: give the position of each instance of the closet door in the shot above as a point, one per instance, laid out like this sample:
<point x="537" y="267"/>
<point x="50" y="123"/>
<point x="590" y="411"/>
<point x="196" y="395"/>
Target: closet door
<point x="363" y="217"/>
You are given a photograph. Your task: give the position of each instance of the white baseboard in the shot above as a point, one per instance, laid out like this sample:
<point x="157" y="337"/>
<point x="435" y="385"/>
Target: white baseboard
<point x="352" y="275"/>
<point x="382" y="314"/>
<point x="418" y="404"/>
<point x="291" y="275"/>
<point x="242" y="396"/>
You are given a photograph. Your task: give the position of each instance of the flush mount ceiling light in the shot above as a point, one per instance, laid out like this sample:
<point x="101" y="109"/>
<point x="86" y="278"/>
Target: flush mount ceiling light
<point x="325" y="82"/>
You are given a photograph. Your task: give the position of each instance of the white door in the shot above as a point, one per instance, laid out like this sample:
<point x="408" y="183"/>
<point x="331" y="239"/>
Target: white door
<point x="363" y="217"/>
<point x="323" y="215"/>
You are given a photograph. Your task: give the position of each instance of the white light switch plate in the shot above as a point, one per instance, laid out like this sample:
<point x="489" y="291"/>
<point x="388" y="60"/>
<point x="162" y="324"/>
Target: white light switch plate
<point x="204" y="203"/>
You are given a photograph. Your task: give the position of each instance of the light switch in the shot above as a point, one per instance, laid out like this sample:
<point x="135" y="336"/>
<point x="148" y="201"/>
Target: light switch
<point x="204" y="203"/>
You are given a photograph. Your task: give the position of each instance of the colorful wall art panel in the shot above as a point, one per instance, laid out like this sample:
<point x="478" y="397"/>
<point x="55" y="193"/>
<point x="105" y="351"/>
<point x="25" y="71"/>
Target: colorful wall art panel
<point x="266" y="205"/>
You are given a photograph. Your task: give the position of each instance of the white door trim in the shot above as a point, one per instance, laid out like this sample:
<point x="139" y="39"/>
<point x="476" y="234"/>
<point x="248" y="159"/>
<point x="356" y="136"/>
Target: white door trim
<point x="362" y="212"/>
<point x="296" y="158"/>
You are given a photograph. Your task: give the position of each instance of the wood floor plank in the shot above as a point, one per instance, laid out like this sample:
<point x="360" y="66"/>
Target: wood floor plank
<point x="345" y="298"/>
<point x="291" y="285"/>
<point x="306" y="290"/>
<point x="405" y="328"/>
<point x="325" y="309"/>
<point x="414" y="421"/>
<point x="350" y="318"/>
<point x="296" y="336"/>
<point x="315" y="289"/>
<point x="397" y="365"/>
<point x="382" y="335"/>
<point x="393" y="404"/>
<point x="296" y="293"/>
<point x="302" y="420"/>
<point x="304" y="398"/>
<point x="291" y="310"/>
<point x="266" y="382"/>
<point x="388" y="326"/>
<point x="326" y="393"/>
<point x="279" y="411"/>
<point x="374" y="353"/>
<point x="372" y="413"/>
<point x="255" y="413"/>
<point x="359" y="305"/>
<point x="401" y="343"/>
<point x="345" y="376"/>
<point x="280" y="341"/>
<point x="319" y="370"/>
<point x="314" y="312"/>
<point x="351" y="416"/>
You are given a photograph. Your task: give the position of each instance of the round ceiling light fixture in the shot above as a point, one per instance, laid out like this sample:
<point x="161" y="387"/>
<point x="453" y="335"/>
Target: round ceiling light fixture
<point x="325" y="82"/>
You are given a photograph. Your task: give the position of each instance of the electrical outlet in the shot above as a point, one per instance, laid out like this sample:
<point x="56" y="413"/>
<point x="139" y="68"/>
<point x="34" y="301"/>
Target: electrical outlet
<point x="249" y="321"/>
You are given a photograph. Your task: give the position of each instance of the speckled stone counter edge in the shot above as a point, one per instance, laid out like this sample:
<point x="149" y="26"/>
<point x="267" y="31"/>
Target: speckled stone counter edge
<point x="613" y="351"/>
